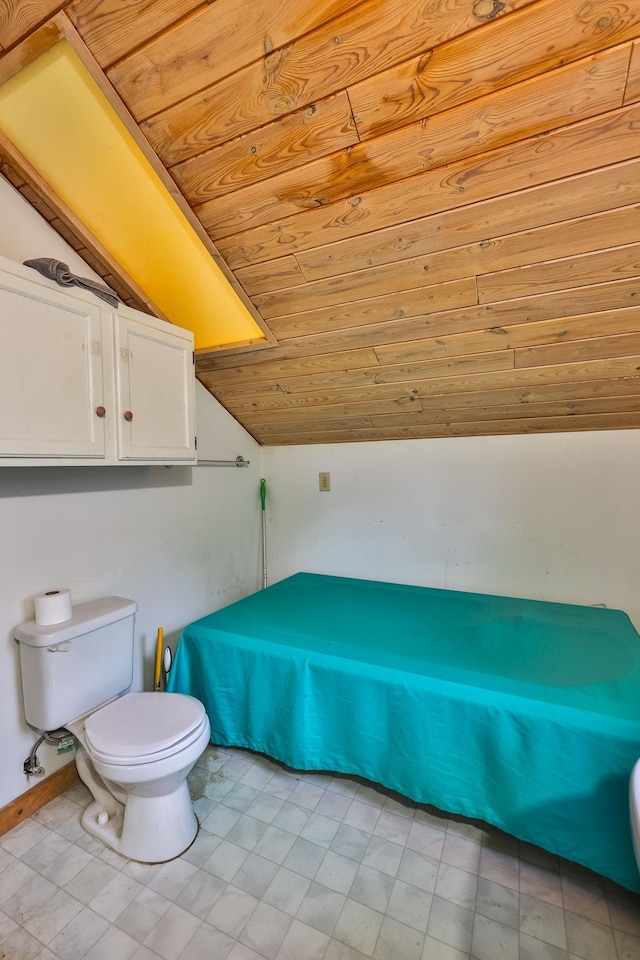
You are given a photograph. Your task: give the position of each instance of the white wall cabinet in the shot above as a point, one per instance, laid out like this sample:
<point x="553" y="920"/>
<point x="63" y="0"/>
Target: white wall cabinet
<point x="81" y="383"/>
<point x="155" y="385"/>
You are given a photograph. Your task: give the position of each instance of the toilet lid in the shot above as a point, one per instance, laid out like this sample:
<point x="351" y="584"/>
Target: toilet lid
<point x="142" y="724"/>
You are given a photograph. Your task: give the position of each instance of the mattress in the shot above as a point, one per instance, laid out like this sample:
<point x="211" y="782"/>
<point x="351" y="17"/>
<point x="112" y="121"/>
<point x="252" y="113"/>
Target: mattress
<point x="521" y="713"/>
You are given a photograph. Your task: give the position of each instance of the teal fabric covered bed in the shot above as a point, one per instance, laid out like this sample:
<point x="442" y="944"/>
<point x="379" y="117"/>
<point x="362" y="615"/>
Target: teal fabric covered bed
<point x="521" y="713"/>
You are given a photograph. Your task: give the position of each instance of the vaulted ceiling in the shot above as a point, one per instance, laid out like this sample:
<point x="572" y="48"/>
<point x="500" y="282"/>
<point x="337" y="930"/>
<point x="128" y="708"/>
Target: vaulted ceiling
<point x="432" y="205"/>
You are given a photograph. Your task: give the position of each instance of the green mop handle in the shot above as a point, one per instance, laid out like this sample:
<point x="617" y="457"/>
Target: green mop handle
<point x="263" y="494"/>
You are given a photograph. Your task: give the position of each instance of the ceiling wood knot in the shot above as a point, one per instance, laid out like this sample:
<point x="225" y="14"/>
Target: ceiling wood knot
<point x="487" y="9"/>
<point x="423" y="62"/>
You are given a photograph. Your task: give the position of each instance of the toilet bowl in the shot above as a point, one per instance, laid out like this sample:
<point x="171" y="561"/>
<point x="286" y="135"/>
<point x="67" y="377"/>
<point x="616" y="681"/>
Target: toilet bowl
<point x="134" y="755"/>
<point x="134" y="750"/>
<point x="634" y="805"/>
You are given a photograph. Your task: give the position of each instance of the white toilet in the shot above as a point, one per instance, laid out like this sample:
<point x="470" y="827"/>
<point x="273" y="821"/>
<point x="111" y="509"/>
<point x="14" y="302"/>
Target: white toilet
<point x="634" y="804"/>
<point x="135" y="750"/>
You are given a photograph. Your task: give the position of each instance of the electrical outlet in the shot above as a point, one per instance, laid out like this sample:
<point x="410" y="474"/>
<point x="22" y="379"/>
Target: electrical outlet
<point x="324" y="482"/>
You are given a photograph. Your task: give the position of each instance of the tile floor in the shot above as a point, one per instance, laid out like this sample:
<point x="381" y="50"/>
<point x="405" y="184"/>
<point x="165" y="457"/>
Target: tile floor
<point x="296" y="866"/>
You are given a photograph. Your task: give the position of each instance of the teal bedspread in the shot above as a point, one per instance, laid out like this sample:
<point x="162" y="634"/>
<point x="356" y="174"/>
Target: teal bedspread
<point x="521" y="713"/>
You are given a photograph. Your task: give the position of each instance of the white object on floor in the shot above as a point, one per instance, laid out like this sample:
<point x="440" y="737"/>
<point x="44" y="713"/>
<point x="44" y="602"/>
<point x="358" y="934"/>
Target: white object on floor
<point x="634" y="798"/>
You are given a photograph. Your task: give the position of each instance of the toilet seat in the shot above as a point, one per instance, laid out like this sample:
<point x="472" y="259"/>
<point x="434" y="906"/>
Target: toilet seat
<point x="144" y="727"/>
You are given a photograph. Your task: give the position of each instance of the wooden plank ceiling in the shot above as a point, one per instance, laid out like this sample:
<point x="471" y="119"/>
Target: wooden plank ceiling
<point x="432" y="204"/>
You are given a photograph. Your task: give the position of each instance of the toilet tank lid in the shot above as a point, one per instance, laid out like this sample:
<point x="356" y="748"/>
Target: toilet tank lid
<point x="86" y="617"/>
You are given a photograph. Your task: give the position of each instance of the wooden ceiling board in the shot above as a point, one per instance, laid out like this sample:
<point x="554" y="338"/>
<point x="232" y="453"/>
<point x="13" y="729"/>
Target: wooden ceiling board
<point x="507" y="396"/>
<point x="491" y="349"/>
<point x="315" y="131"/>
<point x="595" y="348"/>
<point x="532" y="377"/>
<point x="568" y="272"/>
<point x="373" y="323"/>
<point x="449" y="384"/>
<point x="402" y="335"/>
<point x="493" y="356"/>
<point x="283" y="272"/>
<point x="477" y="428"/>
<point x="433" y="207"/>
<point x="215" y="42"/>
<point x="632" y="92"/>
<point x="292" y="375"/>
<point x="112" y="29"/>
<point x="534" y="331"/>
<point x="578" y="91"/>
<point x="246" y="378"/>
<point x="616" y="406"/>
<point x="564" y="200"/>
<point x="478" y="63"/>
<point x="611" y="228"/>
<point x="393" y="306"/>
<point x="18" y="18"/>
<point x="572" y="150"/>
<point x="371" y="37"/>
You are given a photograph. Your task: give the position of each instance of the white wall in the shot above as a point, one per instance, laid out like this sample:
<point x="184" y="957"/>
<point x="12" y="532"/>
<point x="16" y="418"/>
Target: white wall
<point x="552" y="517"/>
<point x="181" y="541"/>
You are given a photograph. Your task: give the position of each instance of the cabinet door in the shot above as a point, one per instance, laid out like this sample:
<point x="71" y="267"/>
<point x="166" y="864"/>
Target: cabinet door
<point x="51" y="378"/>
<point x="156" y="388"/>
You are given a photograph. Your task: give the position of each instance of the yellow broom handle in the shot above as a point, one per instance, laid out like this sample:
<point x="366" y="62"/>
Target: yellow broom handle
<point x="156" y="676"/>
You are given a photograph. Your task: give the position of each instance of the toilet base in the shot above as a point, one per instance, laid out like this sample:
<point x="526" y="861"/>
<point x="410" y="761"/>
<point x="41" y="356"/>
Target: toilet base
<point x="148" y="829"/>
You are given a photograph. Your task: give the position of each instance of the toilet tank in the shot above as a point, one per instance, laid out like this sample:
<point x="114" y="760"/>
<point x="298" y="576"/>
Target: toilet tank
<point x="71" y="668"/>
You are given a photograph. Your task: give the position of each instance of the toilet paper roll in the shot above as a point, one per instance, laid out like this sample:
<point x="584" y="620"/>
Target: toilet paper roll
<point x="53" y="606"/>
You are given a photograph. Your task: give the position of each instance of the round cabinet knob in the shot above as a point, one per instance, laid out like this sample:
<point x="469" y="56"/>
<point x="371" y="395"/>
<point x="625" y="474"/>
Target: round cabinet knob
<point x="128" y="416"/>
<point x="101" y="412"/>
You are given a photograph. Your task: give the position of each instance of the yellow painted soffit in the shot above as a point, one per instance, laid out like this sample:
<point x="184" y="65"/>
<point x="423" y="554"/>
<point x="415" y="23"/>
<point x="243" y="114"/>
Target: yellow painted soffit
<point x="56" y="115"/>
